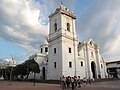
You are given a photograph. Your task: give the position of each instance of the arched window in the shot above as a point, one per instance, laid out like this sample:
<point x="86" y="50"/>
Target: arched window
<point x="90" y="43"/>
<point x="68" y="26"/>
<point x="54" y="64"/>
<point x="70" y="64"/>
<point x="101" y="66"/>
<point x="46" y="49"/>
<point x="81" y="63"/>
<point x="69" y="50"/>
<point x="55" y="27"/>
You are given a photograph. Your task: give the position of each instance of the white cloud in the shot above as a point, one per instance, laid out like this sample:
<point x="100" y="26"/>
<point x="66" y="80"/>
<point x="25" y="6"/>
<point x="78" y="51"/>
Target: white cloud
<point x="25" y="22"/>
<point x="21" y="22"/>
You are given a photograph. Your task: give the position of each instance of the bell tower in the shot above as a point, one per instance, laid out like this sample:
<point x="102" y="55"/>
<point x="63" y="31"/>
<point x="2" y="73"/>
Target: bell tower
<point x="62" y="44"/>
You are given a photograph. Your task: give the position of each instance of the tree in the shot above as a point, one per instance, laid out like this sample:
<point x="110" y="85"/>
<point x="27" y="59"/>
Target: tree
<point x="32" y="66"/>
<point x="21" y="70"/>
<point x="0" y="71"/>
<point x="26" y="68"/>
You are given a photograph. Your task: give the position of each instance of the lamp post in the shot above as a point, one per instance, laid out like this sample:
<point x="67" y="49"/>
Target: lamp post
<point x="34" y="79"/>
<point x="12" y="64"/>
<point x="11" y="75"/>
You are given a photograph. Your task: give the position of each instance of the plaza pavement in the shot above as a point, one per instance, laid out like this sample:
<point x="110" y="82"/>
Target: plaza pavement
<point x="110" y="85"/>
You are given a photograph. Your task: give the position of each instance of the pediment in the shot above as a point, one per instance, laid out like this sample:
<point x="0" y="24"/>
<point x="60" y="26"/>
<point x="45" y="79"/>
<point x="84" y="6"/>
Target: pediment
<point x="91" y="43"/>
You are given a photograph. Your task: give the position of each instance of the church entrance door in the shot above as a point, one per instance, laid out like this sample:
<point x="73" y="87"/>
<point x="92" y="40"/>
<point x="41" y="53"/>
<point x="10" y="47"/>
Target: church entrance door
<point x="93" y="68"/>
<point x="43" y="72"/>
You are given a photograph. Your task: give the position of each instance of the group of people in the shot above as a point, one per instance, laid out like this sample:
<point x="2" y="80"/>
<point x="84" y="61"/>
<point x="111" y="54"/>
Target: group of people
<point x="73" y="82"/>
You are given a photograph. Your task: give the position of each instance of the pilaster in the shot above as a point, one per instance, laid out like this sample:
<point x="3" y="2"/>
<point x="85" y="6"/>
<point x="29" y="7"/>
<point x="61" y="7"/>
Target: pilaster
<point x="98" y="61"/>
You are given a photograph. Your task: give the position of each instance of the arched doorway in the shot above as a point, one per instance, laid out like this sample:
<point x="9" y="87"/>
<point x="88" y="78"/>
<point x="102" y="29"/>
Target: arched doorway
<point x="93" y="69"/>
<point x="43" y="72"/>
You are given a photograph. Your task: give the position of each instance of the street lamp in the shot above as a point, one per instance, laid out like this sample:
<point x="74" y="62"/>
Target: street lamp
<point x="12" y="64"/>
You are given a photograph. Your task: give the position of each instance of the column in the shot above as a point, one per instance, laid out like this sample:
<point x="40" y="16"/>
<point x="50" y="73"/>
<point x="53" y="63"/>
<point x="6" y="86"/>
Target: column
<point x="88" y="62"/>
<point x="98" y="61"/>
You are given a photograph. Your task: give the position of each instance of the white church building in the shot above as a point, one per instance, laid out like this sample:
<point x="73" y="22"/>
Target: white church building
<point x="63" y="54"/>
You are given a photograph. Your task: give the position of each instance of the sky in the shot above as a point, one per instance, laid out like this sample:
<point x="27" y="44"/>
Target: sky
<point x="24" y="25"/>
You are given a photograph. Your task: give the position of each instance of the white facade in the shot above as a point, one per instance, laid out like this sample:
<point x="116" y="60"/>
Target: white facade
<point x="66" y="56"/>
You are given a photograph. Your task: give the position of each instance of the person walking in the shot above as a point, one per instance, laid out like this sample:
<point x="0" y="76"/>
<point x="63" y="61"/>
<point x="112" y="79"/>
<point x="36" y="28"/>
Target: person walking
<point x="89" y="80"/>
<point x="63" y="82"/>
<point x="79" y="82"/>
<point x="73" y="82"/>
<point x="85" y="81"/>
<point x="68" y="81"/>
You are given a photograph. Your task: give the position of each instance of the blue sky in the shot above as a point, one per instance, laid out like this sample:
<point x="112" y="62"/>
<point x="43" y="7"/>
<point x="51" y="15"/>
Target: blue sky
<point x="24" y="25"/>
<point x="7" y="48"/>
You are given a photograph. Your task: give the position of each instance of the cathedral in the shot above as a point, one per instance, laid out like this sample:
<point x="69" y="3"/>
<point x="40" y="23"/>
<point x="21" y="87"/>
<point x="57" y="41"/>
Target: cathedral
<point x="63" y="54"/>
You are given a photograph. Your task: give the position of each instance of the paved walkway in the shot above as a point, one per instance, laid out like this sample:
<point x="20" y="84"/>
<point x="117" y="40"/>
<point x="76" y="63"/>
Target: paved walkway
<point x="111" y="85"/>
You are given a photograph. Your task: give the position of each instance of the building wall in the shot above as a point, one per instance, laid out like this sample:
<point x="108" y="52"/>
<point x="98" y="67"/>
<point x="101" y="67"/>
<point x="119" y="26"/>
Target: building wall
<point x="81" y="70"/>
<point x="90" y="53"/>
<point x="62" y="40"/>
<point x="39" y="58"/>
<point x="54" y="73"/>
<point x="68" y="57"/>
<point x="113" y="65"/>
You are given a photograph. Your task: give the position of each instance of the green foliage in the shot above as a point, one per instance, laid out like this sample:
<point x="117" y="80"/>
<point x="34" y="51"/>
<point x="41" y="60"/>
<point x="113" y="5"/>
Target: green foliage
<point x="25" y="68"/>
<point x="21" y="70"/>
<point x="6" y="72"/>
<point x="0" y="72"/>
<point x="32" y="66"/>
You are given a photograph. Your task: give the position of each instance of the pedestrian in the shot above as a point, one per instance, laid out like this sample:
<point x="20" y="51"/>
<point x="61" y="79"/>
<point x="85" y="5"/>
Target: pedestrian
<point x="93" y="80"/>
<point x="72" y="82"/>
<point x="63" y="82"/>
<point x="89" y="80"/>
<point x="79" y="82"/>
<point x="75" y="81"/>
<point x="60" y="82"/>
<point x="68" y="81"/>
<point x="84" y="81"/>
